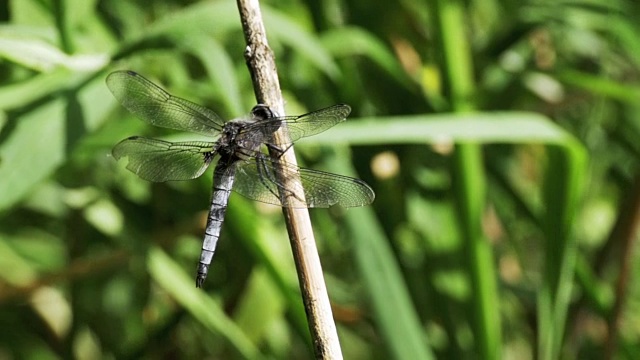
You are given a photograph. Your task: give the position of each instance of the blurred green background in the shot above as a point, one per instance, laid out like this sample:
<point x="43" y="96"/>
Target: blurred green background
<point x="500" y="137"/>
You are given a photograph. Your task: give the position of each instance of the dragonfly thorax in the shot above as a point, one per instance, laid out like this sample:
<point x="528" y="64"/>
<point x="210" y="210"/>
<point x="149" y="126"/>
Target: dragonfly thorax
<point x="238" y="140"/>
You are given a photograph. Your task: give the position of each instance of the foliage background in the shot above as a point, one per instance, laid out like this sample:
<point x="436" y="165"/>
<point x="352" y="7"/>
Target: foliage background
<point x="500" y="137"/>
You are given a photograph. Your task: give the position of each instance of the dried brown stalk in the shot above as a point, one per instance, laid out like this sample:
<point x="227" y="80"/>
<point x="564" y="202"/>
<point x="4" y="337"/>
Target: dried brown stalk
<point x="261" y="64"/>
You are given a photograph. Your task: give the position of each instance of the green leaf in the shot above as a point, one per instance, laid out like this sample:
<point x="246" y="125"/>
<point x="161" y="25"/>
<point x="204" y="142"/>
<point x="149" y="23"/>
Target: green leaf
<point x="39" y="141"/>
<point x="482" y="127"/>
<point x="36" y="54"/>
<point x="348" y="42"/>
<point x="181" y="286"/>
<point x="282" y="28"/>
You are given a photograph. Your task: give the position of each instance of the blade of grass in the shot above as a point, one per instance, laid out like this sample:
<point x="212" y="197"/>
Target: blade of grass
<point x="171" y="277"/>
<point x="393" y="309"/>
<point x="562" y="191"/>
<point x="352" y="41"/>
<point x="260" y="242"/>
<point x="482" y="127"/>
<point x="469" y="183"/>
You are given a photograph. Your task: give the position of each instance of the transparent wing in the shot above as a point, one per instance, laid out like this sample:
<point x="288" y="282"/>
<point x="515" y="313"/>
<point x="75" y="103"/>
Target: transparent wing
<point x="256" y="179"/>
<point x="308" y="124"/>
<point x="316" y="122"/>
<point x="157" y="107"/>
<point x="158" y="161"/>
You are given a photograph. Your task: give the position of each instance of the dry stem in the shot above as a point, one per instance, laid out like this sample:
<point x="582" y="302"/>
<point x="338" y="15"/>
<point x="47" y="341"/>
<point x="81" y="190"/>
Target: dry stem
<point x="262" y="67"/>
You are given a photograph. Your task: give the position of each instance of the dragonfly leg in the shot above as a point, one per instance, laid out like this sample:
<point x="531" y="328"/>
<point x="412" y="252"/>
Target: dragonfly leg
<point x="278" y="150"/>
<point x="267" y="177"/>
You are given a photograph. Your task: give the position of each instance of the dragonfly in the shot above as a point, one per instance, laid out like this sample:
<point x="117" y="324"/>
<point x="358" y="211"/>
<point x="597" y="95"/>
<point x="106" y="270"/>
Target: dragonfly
<point x="245" y="150"/>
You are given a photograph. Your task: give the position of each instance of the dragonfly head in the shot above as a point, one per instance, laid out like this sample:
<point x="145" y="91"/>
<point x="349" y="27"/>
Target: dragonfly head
<point x="262" y="112"/>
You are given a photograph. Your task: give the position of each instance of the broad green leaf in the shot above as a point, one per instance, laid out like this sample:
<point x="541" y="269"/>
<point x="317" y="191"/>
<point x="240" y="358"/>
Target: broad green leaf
<point x="482" y="127"/>
<point x="42" y="139"/>
<point x="39" y="55"/>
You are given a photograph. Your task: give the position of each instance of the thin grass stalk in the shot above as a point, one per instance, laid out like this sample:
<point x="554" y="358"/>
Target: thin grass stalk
<point x="562" y="192"/>
<point x="626" y="231"/>
<point x="61" y="17"/>
<point x="470" y="187"/>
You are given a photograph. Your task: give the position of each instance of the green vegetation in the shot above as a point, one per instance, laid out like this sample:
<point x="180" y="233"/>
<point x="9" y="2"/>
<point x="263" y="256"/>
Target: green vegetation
<point x="500" y="137"/>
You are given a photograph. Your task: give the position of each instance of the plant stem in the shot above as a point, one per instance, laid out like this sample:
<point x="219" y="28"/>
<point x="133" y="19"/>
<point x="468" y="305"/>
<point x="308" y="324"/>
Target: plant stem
<point x="470" y="181"/>
<point x="261" y="64"/>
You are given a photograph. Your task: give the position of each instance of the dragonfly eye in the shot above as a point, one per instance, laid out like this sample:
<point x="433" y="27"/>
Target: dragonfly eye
<point x="262" y="112"/>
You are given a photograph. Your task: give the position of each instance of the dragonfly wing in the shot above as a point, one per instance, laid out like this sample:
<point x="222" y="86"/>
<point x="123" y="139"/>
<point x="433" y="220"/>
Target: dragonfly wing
<point x="315" y="122"/>
<point x="256" y="179"/>
<point x="254" y="184"/>
<point x="159" y="108"/>
<point x="304" y="125"/>
<point x="159" y="161"/>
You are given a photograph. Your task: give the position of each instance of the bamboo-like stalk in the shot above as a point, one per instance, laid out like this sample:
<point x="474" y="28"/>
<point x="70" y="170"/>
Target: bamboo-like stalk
<point x="261" y="64"/>
<point x="470" y="182"/>
<point x="625" y="230"/>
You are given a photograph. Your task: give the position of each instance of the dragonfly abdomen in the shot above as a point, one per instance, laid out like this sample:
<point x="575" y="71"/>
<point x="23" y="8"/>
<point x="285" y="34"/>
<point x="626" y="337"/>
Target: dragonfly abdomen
<point x="223" y="176"/>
